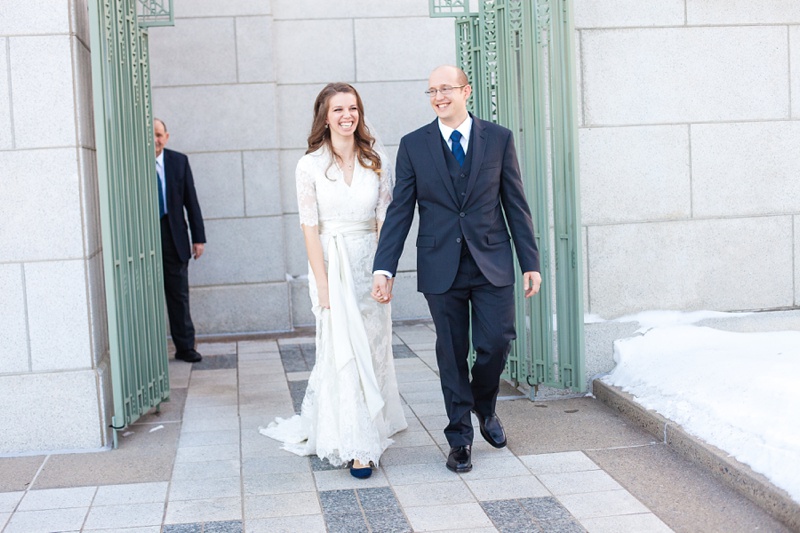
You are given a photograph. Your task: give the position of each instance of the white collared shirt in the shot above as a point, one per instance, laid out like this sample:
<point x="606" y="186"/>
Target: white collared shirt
<point x="161" y="178"/>
<point x="465" y="128"/>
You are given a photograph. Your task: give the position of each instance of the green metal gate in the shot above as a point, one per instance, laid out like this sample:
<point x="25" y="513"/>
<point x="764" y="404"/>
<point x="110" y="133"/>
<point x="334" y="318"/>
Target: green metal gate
<point x="518" y="55"/>
<point x="128" y="205"/>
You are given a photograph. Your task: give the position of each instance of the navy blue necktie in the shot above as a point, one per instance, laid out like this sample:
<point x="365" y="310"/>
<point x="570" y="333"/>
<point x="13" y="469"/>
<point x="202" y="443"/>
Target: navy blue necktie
<point x="161" y="211"/>
<point x="458" y="150"/>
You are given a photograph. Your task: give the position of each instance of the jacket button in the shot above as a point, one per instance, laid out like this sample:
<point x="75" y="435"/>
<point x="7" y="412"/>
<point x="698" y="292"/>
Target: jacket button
<point x="458" y="240"/>
<point x="462" y="214"/>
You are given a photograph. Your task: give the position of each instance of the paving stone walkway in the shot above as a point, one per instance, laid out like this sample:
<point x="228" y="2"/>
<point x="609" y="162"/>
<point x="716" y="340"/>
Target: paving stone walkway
<point x="223" y="476"/>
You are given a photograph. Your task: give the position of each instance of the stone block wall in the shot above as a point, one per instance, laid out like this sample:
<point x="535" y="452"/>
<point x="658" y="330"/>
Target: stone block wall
<point x="688" y="154"/>
<point x="54" y="378"/>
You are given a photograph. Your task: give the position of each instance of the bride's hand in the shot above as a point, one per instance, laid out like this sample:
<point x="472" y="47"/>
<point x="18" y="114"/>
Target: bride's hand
<point x="323" y="297"/>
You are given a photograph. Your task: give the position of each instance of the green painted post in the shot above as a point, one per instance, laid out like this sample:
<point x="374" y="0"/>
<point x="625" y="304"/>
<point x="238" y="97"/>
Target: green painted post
<point x="128" y="209"/>
<point x="566" y="209"/>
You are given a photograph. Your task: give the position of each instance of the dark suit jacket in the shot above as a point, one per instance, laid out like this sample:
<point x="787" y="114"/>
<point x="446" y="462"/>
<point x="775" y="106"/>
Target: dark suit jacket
<point x="182" y="195"/>
<point x="494" y="196"/>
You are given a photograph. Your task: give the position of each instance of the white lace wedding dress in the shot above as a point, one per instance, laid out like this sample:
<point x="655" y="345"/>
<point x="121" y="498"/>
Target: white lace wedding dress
<point x="352" y="406"/>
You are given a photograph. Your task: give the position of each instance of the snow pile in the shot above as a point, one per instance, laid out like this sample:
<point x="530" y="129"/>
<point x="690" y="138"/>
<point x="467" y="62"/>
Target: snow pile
<point x="737" y="391"/>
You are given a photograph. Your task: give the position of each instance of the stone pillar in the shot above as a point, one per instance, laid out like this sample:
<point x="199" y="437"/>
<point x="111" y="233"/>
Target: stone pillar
<point x="54" y="379"/>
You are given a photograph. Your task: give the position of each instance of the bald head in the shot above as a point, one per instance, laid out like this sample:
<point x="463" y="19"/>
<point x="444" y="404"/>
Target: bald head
<point x="449" y="90"/>
<point x="161" y="135"/>
<point x="449" y="70"/>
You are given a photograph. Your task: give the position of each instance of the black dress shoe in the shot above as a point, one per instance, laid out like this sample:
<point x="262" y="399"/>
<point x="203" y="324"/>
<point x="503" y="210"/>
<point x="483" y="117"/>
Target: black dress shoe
<point x="460" y="459"/>
<point x="492" y="430"/>
<point x="190" y="356"/>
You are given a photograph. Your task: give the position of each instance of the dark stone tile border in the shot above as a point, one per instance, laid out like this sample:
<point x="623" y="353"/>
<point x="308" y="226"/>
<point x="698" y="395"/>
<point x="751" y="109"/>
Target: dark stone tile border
<point x="217" y="362"/>
<point x="230" y="526"/>
<point x="401" y="351"/>
<point x="539" y="515"/>
<point x="374" y="510"/>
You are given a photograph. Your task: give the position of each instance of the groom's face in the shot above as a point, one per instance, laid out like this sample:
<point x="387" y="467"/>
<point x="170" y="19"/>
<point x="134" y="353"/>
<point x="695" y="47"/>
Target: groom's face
<point x="451" y="108"/>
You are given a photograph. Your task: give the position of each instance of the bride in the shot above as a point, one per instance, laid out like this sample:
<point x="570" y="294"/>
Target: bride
<point x="344" y="185"/>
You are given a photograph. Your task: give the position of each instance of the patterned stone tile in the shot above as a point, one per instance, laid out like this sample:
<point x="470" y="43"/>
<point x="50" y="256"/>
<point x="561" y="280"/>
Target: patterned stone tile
<point x="346" y="523"/>
<point x="567" y="526"/>
<point x="401" y="351"/>
<point x="531" y="514"/>
<point x="336" y="502"/>
<point x="508" y="516"/>
<point x="183" y="528"/>
<point x="545" y="509"/>
<point x="297" y="389"/>
<point x="230" y="526"/>
<point x="216" y="362"/>
<point x="298" y="357"/>
<point x="377" y="499"/>
<point x="292" y="358"/>
<point x="388" y="521"/>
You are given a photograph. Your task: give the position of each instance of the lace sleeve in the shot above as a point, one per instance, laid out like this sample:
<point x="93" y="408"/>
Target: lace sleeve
<point x="385" y="188"/>
<point x="306" y="195"/>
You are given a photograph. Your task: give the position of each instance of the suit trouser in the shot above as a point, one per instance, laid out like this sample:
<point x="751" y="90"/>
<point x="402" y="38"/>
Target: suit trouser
<point x="492" y="311"/>
<point x="176" y="290"/>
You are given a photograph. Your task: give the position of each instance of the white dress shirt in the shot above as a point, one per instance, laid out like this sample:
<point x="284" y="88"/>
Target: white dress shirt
<point x="161" y="178"/>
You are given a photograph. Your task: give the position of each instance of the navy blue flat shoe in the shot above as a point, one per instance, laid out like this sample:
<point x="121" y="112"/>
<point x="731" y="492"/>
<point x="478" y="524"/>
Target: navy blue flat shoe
<point x="360" y="473"/>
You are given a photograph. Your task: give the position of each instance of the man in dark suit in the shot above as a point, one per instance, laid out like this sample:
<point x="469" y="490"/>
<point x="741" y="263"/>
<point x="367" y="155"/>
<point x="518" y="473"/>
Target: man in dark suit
<point x="463" y="175"/>
<point x="176" y="193"/>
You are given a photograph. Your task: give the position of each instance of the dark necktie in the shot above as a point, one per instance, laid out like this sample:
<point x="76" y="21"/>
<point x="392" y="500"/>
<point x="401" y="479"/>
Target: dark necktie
<point x="458" y="150"/>
<point x="160" y="194"/>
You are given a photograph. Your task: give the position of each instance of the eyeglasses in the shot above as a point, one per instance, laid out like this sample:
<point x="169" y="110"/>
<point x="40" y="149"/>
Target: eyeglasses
<point x="446" y="90"/>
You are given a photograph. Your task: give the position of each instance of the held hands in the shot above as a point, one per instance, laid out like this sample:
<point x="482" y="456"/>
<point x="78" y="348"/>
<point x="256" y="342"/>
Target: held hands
<point x="531" y="282"/>
<point x="197" y="250"/>
<point x="382" y="288"/>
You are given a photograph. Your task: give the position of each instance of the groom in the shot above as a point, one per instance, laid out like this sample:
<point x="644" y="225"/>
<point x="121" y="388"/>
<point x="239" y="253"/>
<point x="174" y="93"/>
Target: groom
<point x="463" y="175"/>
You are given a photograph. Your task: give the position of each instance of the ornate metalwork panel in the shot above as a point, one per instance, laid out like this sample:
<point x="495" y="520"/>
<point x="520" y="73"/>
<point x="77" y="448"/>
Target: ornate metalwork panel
<point x="128" y="210"/>
<point x="518" y="56"/>
<point x="451" y="8"/>
<point x="155" y="13"/>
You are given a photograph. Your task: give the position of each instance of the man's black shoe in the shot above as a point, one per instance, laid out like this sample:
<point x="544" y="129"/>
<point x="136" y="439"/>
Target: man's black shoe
<point x="190" y="356"/>
<point x="492" y="430"/>
<point x="460" y="459"/>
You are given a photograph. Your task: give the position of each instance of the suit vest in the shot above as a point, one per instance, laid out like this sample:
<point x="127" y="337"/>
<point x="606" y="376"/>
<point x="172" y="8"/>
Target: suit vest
<point x="458" y="173"/>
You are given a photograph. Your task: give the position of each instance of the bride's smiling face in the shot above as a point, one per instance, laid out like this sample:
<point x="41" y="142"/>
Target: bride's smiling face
<point x="342" y="116"/>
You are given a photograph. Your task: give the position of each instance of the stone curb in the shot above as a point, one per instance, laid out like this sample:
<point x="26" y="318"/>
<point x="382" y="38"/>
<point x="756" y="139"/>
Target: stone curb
<point x="742" y="478"/>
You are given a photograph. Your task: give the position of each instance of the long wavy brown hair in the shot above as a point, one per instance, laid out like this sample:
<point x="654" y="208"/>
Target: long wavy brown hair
<point x="320" y="135"/>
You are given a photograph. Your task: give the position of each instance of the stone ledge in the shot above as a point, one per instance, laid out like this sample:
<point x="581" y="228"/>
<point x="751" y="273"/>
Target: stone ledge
<point x="735" y="474"/>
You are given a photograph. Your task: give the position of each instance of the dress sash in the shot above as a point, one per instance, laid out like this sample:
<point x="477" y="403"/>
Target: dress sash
<point x="343" y="323"/>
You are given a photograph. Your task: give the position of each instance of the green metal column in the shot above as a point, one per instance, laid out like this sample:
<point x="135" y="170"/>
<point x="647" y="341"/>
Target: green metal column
<point x="518" y="56"/>
<point x="128" y="210"/>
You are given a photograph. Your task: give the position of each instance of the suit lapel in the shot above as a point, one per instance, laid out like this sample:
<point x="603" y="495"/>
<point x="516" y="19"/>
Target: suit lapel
<point x="169" y="174"/>
<point x="435" y="145"/>
<point x="477" y="145"/>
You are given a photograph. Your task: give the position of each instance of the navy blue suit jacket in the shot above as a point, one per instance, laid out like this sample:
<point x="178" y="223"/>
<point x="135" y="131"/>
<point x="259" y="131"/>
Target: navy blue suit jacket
<point x="181" y="195"/>
<point x="494" y="197"/>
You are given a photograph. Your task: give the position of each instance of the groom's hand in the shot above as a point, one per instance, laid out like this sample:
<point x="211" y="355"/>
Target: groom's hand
<point x="531" y="282"/>
<point x="382" y="288"/>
